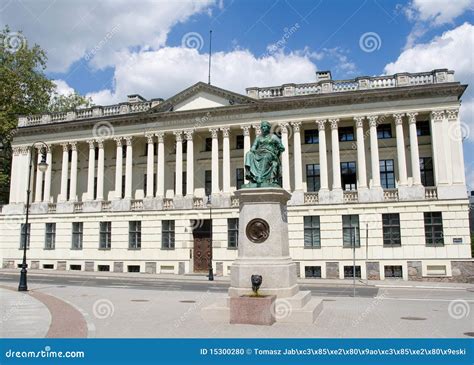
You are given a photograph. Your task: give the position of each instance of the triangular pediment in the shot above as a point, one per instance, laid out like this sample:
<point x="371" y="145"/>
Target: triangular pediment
<point x="201" y="96"/>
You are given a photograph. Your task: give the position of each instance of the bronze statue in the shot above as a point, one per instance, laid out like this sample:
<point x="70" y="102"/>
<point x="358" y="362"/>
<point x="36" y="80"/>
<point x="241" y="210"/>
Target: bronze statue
<point x="256" y="282"/>
<point x="262" y="162"/>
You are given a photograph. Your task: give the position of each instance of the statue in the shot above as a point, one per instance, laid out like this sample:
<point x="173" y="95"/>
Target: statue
<point x="256" y="282"/>
<point x="262" y="162"/>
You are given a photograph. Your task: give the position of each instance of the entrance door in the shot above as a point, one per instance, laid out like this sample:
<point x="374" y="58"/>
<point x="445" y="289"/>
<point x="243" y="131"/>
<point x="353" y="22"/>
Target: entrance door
<point x="202" y="253"/>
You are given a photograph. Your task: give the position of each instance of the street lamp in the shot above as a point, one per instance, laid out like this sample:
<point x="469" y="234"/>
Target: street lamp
<point x="211" y="272"/>
<point x="42" y="167"/>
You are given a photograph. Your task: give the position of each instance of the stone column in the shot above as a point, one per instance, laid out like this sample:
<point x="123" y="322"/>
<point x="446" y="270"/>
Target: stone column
<point x="15" y="174"/>
<point x="361" y="167"/>
<point x="129" y="167"/>
<point x="456" y="138"/>
<point x="246" y="130"/>
<point x="178" y="189"/>
<point x="64" y="173"/>
<point x="285" y="158"/>
<point x="150" y="161"/>
<point x="91" y="170"/>
<point x="297" y="157"/>
<point x="336" y="161"/>
<point x="189" y="163"/>
<point x="48" y="174"/>
<point x="438" y="147"/>
<point x="118" y="168"/>
<point x="73" y="187"/>
<point x="414" y="153"/>
<point x="39" y="176"/>
<point x="374" y="151"/>
<point x="100" y="170"/>
<point x="225" y="160"/>
<point x="215" y="160"/>
<point x="258" y="130"/>
<point x="402" y="165"/>
<point x="160" y="168"/>
<point x="323" y="158"/>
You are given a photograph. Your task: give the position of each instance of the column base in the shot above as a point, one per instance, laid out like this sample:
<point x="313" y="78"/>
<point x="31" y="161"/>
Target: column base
<point x="414" y="192"/>
<point x="39" y="208"/>
<point x="372" y="195"/>
<point x="297" y="198"/>
<point x="335" y="196"/>
<point x="452" y="191"/>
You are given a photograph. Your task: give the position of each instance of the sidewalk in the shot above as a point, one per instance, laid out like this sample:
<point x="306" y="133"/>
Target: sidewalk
<point x="394" y="283"/>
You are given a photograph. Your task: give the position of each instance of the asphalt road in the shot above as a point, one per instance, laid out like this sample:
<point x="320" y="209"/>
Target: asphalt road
<point x="177" y="285"/>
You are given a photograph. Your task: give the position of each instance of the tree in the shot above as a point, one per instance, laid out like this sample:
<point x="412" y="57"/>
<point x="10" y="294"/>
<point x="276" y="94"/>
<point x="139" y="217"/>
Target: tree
<point x="62" y="103"/>
<point x="24" y="89"/>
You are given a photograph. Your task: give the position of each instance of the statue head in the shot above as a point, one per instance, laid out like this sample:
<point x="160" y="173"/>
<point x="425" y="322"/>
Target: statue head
<point x="265" y="127"/>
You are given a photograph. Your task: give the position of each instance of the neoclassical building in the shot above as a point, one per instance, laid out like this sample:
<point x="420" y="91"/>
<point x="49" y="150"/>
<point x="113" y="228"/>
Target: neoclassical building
<point x="374" y="165"/>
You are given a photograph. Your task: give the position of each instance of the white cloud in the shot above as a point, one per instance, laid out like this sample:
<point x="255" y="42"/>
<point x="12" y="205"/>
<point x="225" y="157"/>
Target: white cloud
<point x="166" y="71"/>
<point x="62" y="87"/>
<point x="68" y="30"/>
<point x="437" y="12"/>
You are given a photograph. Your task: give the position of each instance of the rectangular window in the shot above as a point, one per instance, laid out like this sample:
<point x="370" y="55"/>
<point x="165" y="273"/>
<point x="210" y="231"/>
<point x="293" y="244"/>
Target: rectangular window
<point x="50" y="236"/>
<point x="232" y="232"/>
<point x="350" y="231"/>
<point x="393" y="271"/>
<point x="103" y="267"/>
<point x="384" y="131"/>
<point x="25" y="235"/>
<point x="312" y="232"/>
<point x="105" y="235"/>
<point x="434" y="229"/>
<point x="167" y="235"/>
<point x="207" y="182"/>
<point x="133" y="268"/>
<point x="311" y="136"/>
<point x="312" y="271"/>
<point x="239" y="178"/>
<point x="426" y="171"/>
<point x="349" y="175"/>
<point x="239" y="142"/>
<point x="391" y="229"/>
<point x="349" y="272"/>
<point x="77" y="235"/>
<point x="387" y="174"/>
<point x="313" y="177"/>
<point x="208" y="144"/>
<point x="135" y="235"/>
<point x="346" y="134"/>
<point x="423" y="128"/>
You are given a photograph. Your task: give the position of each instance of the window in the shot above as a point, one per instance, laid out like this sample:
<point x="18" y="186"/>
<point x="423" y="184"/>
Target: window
<point x="384" y="131"/>
<point x="312" y="235"/>
<point x="423" y="128"/>
<point x="75" y="267"/>
<point x="145" y="183"/>
<point x="167" y="235"/>
<point x="387" y="174"/>
<point x="232" y="232"/>
<point x="208" y="182"/>
<point x="208" y="144"/>
<point x="426" y="171"/>
<point x="48" y="266"/>
<point x="103" y="267"/>
<point x="349" y="175"/>
<point x="25" y="235"/>
<point x="392" y="271"/>
<point x="239" y="142"/>
<point x="134" y="235"/>
<point x="312" y="271"/>
<point x="311" y="136"/>
<point x="77" y="234"/>
<point x="391" y="229"/>
<point x="434" y="229"/>
<point x="105" y="235"/>
<point x="349" y="272"/>
<point x="133" y="268"/>
<point x="346" y="134"/>
<point x="50" y="236"/>
<point x="313" y="178"/>
<point x="239" y="178"/>
<point x="350" y="231"/>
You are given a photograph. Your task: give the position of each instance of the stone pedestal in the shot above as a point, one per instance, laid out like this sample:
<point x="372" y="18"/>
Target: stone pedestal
<point x="253" y="310"/>
<point x="264" y="250"/>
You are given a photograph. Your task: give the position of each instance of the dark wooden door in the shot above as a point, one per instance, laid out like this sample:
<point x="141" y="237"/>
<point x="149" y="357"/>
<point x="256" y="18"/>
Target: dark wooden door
<point x="202" y="254"/>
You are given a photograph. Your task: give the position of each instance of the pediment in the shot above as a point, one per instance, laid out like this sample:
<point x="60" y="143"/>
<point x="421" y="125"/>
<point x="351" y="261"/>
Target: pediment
<point x="201" y="96"/>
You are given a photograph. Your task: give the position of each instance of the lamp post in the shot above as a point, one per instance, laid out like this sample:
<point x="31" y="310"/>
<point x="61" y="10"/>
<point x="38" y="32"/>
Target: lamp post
<point x="211" y="272"/>
<point x="42" y="166"/>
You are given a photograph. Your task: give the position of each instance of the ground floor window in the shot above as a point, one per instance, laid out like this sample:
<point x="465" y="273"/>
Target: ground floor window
<point x="105" y="235"/>
<point x="167" y="234"/>
<point x="75" y="267"/>
<point x="133" y="268"/>
<point x="103" y="267"/>
<point x="393" y="271"/>
<point x="312" y="271"/>
<point x="232" y="232"/>
<point x="348" y="271"/>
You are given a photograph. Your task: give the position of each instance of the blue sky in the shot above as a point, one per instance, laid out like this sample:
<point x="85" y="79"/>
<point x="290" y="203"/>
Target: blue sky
<point x="112" y="48"/>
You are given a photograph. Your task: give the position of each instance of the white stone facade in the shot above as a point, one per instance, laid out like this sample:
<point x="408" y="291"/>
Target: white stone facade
<point x="151" y="161"/>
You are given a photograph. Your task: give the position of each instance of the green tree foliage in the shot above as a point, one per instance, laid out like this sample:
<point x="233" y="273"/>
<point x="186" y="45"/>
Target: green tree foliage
<point x="61" y="103"/>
